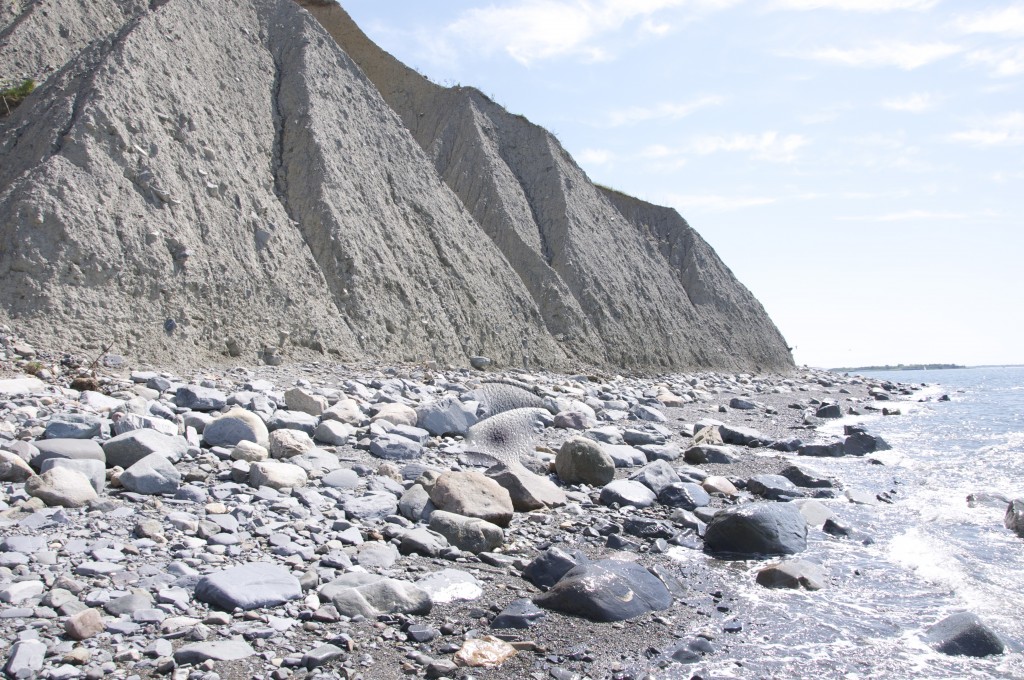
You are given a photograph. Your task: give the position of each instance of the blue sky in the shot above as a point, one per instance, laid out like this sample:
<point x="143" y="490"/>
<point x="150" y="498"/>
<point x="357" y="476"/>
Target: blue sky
<point x="857" y="163"/>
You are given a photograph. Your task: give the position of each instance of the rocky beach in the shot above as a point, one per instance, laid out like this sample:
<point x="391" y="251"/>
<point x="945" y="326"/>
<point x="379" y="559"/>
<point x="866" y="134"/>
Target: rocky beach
<point x="323" y="521"/>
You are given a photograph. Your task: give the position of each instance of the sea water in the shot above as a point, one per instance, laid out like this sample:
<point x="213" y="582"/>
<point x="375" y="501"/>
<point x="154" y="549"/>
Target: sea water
<point x="933" y="554"/>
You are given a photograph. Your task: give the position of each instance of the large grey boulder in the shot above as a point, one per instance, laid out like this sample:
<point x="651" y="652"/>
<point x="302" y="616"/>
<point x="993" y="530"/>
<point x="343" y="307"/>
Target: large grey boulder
<point x="792" y="574"/>
<point x="467" y="533"/>
<point x="154" y="474"/>
<point x="756" y="530"/>
<point x="608" y="590"/>
<point x="369" y="595"/>
<point x="237" y="425"/>
<point x="277" y="475"/>
<point x="710" y="453"/>
<point x="60" y="486"/>
<point x="298" y="399"/>
<point x="126" y="449"/>
<point x="198" y="398"/>
<point x="213" y="650"/>
<point x="473" y="494"/>
<point x="395" y="447"/>
<point x="582" y="460"/>
<point x="95" y="470"/>
<point x="1014" y="518"/>
<point x="447" y="416"/>
<point x="14" y="469"/>
<point x="773" y="488"/>
<point x="627" y="492"/>
<point x="250" y="586"/>
<point x="74" y="449"/>
<point x="286" y="443"/>
<point x="76" y="426"/>
<point x="527" y="490"/>
<point x="656" y="476"/>
<point x="370" y="506"/>
<point x="742" y="436"/>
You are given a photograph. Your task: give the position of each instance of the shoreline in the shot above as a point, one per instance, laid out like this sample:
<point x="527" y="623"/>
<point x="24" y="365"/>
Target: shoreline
<point x="317" y="535"/>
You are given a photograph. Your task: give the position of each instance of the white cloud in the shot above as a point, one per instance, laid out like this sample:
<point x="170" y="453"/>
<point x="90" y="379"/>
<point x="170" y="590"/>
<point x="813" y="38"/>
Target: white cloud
<point x="715" y="202"/>
<point x="640" y="114"/>
<point x="906" y="216"/>
<point x="1005" y="21"/>
<point x="1004" y="62"/>
<point x="855" y="5"/>
<point x="1005" y="130"/>
<point x="907" y="56"/>
<point x="534" y="30"/>
<point x="913" y="103"/>
<point x="769" y="146"/>
<point x="595" y="156"/>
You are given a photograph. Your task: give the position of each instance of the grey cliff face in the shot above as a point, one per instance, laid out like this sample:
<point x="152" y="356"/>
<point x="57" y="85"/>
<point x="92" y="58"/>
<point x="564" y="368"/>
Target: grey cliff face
<point x="195" y="178"/>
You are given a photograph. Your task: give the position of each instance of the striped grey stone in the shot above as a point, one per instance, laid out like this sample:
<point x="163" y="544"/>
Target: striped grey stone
<point x="509" y="436"/>
<point x="499" y="397"/>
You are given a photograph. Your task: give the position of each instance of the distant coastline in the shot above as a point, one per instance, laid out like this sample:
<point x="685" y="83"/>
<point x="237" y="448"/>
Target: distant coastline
<point x="899" y="367"/>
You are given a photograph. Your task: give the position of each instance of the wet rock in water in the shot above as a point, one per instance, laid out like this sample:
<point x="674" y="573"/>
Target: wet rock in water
<point x="607" y="590"/>
<point x="213" y="650"/>
<point x="154" y="474"/>
<point x="74" y="449"/>
<point x="773" y="487"/>
<point x="627" y="492"/>
<point x="60" y="486"/>
<point x="858" y="442"/>
<point x="815" y="512"/>
<point x="1014" y="519"/>
<point x="709" y="453"/>
<point x="527" y="490"/>
<point x="964" y="634"/>
<point x="129" y="448"/>
<point x="757" y="529"/>
<point x="551" y="565"/>
<point x="582" y="460"/>
<point x="249" y="586"/>
<point x="792" y="574"/>
<point x="519" y="614"/>
<point x="370" y="595"/>
<point x="685" y="495"/>
<point x="829" y="411"/>
<point x="235" y="426"/>
<point x="805" y="479"/>
<point x="467" y="533"/>
<point x="447" y="416"/>
<point x="833" y="450"/>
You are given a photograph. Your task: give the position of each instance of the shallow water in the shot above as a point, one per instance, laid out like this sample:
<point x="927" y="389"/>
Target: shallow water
<point x="933" y="554"/>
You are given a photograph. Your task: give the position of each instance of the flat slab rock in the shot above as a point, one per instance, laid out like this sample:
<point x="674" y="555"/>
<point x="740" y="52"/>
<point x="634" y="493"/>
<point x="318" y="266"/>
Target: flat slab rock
<point x="218" y="650"/>
<point x="249" y="586"/>
<point x="607" y="590"/>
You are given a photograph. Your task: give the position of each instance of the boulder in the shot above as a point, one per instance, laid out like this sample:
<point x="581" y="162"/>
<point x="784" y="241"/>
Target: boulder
<point x="527" y="490"/>
<point x="709" y="453"/>
<point x="396" y="414"/>
<point x="518" y="614"/>
<point x="685" y="495"/>
<point x="573" y="420"/>
<point x="1014" y="518"/>
<point x="369" y="595"/>
<point x="625" y="456"/>
<point x="213" y="650"/>
<point x="198" y="398"/>
<point x="773" y="488"/>
<point x="721" y="486"/>
<point x="235" y="426"/>
<point x="298" y="399"/>
<point x="829" y="411"/>
<point x="415" y="504"/>
<point x="859" y="443"/>
<point x="76" y="426"/>
<point x="332" y="433"/>
<point x="964" y="634"/>
<point x="473" y="494"/>
<point x="757" y="529"/>
<point x="741" y="404"/>
<point x="582" y="460"/>
<point x="346" y="411"/>
<point x="607" y="590"/>
<point x="792" y="574"/>
<point x="656" y="476"/>
<point x="742" y="436"/>
<point x="154" y="474"/>
<point x="395" y="447"/>
<point x="61" y="486"/>
<point x="129" y="448"/>
<point x="84" y="624"/>
<point x="804" y="479"/>
<point x="422" y="541"/>
<point x="370" y="506"/>
<point x="467" y="533"/>
<point x="551" y="565"/>
<point x="73" y="449"/>
<point x="249" y="586"/>
<point x="833" y="450"/>
<point x="276" y="475"/>
<point x="627" y="492"/>
<point x="286" y="443"/>
<point x="447" y="416"/>
<point x="14" y="469"/>
<point x="249" y="451"/>
<point x="284" y="419"/>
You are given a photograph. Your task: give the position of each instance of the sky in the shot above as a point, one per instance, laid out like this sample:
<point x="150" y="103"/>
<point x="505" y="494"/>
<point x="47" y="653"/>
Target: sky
<point x="856" y="163"/>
